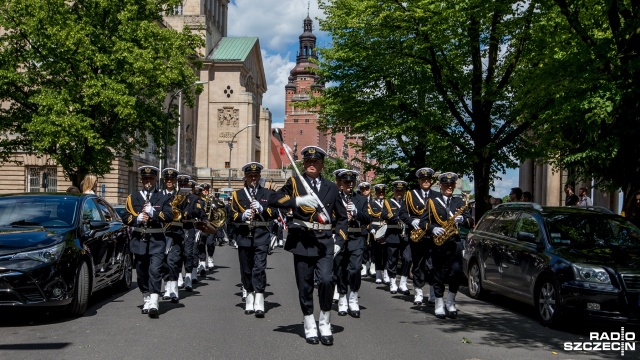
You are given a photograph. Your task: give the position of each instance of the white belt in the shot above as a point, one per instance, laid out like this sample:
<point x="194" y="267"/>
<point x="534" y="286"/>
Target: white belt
<point x="148" y="230"/>
<point x="255" y="223"/>
<point x="312" y="225"/>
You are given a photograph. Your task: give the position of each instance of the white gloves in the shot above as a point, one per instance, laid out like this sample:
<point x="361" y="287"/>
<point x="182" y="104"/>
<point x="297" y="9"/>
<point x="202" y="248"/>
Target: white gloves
<point x="307" y="200"/>
<point x="438" y="231"/>
<point x="149" y="210"/>
<point x="246" y="215"/>
<point x="140" y="218"/>
<point x="255" y="205"/>
<point x="352" y="208"/>
<point x="336" y="249"/>
<point x="373" y="231"/>
<point x="416" y="224"/>
<point x="459" y="219"/>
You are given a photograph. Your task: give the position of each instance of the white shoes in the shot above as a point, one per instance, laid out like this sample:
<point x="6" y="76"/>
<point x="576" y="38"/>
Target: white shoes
<point x="378" y="276"/>
<point x="194" y="276"/>
<point x="343" y="305"/>
<point x="385" y="277"/>
<point x="153" y="305"/>
<point x="202" y="268"/>
<point x="324" y="325"/>
<point x="393" y="288"/>
<point x="210" y="263"/>
<point x="310" y="329"/>
<point x="372" y="269"/>
<point x="145" y="303"/>
<point x="363" y="271"/>
<point x="450" y="305"/>
<point x="173" y="291"/>
<point x="167" y="290"/>
<point x="249" y="305"/>
<point x="439" y="311"/>
<point x="402" y="288"/>
<point x="419" y="297"/>
<point x="354" y="307"/>
<point x="180" y="281"/>
<point x="259" y="305"/>
<point x="244" y="294"/>
<point x="336" y="294"/>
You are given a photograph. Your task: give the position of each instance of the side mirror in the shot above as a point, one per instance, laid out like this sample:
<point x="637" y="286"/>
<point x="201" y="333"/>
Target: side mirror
<point x="525" y="236"/>
<point x="98" y="225"/>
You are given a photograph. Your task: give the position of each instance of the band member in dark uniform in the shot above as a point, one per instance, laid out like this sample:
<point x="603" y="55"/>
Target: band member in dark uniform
<point x="147" y="211"/>
<point x="396" y="239"/>
<point x="415" y="205"/>
<point x="447" y="258"/>
<point x="368" y="257"/>
<point x="194" y="211"/>
<point x="348" y="262"/>
<point x="174" y="235"/>
<point x="252" y="216"/>
<point x="310" y="238"/>
<point x="377" y="244"/>
<point x="207" y="243"/>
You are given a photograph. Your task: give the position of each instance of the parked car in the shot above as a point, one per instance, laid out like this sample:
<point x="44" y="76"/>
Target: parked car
<point x="120" y="209"/>
<point x="558" y="259"/>
<point x="57" y="249"/>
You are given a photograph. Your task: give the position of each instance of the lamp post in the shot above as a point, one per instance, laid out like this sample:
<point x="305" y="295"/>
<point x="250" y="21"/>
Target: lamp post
<point x="166" y="139"/>
<point x="230" y="143"/>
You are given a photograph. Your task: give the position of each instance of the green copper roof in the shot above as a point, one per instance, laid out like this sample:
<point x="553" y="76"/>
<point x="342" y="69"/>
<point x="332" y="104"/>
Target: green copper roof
<point x="233" y="49"/>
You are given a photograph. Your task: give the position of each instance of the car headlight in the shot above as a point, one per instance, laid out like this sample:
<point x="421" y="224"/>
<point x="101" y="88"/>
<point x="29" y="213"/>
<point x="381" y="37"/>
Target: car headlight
<point x="46" y="255"/>
<point x="590" y="273"/>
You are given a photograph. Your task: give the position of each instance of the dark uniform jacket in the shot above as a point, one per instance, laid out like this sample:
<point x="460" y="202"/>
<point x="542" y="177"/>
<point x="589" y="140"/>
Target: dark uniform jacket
<point x="375" y="209"/>
<point x="175" y="228"/>
<point x="304" y="241"/>
<point x="360" y="222"/>
<point x="414" y="206"/>
<point x="438" y="213"/>
<point x="391" y="214"/>
<point x="255" y="232"/>
<point x="154" y="242"/>
<point x="193" y="210"/>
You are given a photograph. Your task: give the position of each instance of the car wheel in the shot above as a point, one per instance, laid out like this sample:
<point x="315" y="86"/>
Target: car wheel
<point x="475" y="282"/>
<point x="124" y="284"/>
<point x="80" y="299"/>
<point x="548" y="302"/>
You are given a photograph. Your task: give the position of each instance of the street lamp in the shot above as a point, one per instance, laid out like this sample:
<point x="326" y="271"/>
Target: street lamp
<point x="166" y="139"/>
<point x="230" y="143"/>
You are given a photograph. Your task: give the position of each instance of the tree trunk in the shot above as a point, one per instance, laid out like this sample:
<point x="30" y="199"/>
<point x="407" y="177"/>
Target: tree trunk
<point x="481" y="177"/>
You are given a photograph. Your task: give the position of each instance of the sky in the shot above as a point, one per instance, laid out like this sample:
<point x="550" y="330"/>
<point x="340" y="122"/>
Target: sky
<point x="277" y="24"/>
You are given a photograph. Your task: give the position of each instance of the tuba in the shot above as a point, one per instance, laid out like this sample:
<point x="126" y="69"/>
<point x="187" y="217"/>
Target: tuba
<point x="175" y="203"/>
<point x="449" y="226"/>
<point x="216" y="217"/>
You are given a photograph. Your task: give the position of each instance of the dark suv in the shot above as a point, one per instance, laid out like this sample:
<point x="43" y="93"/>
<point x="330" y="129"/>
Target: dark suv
<point x="558" y="259"/>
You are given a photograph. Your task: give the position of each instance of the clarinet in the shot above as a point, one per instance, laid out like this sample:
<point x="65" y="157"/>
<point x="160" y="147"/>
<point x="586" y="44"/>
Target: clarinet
<point x="144" y="225"/>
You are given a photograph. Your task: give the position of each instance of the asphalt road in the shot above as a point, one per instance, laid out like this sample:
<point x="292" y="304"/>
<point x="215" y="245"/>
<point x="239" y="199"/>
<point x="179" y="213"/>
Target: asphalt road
<point x="209" y="323"/>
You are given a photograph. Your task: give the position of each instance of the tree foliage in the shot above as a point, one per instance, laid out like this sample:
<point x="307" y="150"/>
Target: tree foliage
<point x="431" y="83"/>
<point x="586" y="90"/>
<point x="86" y="81"/>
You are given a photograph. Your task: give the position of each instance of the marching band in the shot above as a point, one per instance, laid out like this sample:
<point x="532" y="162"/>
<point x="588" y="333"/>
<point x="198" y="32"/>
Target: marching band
<point x="336" y="234"/>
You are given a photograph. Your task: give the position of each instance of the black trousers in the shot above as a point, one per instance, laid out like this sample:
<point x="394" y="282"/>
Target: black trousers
<point x="149" y="272"/>
<point x="253" y="267"/>
<point x="379" y="254"/>
<point x="190" y="254"/>
<point x="420" y="252"/>
<point x="447" y="266"/>
<point x="347" y="266"/>
<point x="306" y="269"/>
<point x="175" y="258"/>
<point x="394" y="253"/>
<point x="211" y="244"/>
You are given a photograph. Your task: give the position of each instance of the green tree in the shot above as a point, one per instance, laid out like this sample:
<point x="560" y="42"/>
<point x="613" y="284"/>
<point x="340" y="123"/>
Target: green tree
<point x="430" y="83"/>
<point x="87" y="80"/>
<point x="586" y="90"/>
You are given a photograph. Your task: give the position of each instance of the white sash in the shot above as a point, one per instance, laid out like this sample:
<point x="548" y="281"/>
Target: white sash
<point x="419" y="198"/>
<point x="445" y="206"/>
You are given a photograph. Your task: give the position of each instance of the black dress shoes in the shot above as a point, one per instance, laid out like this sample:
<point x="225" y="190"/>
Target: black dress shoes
<point x="145" y="311"/>
<point x="312" y="340"/>
<point x="249" y="312"/>
<point x="326" y="340"/>
<point x="259" y="313"/>
<point x="452" y="314"/>
<point x="393" y="292"/>
<point x="354" y="313"/>
<point x="342" y="313"/>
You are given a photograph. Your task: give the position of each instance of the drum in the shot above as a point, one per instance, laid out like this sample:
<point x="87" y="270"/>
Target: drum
<point x="379" y="235"/>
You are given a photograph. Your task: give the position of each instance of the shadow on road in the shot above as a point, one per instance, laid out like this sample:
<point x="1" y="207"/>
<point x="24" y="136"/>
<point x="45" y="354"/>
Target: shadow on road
<point x="299" y="329"/>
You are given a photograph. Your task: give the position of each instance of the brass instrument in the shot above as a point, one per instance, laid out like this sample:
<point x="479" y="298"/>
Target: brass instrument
<point x="177" y="200"/>
<point x="449" y="226"/>
<point x="216" y="217"/>
<point x="417" y="234"/>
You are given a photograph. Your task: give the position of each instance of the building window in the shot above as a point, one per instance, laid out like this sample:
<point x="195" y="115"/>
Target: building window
<point x="306" y="120"/>
<point x="226" y="165"/>
<point x="42" y="179"/>
<point x="295" y="120"/>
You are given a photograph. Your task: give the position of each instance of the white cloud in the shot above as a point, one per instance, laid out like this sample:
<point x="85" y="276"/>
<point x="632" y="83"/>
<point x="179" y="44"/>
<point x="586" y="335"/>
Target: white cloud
<point x="277" y="23"/>
<point x="509" y="180"/>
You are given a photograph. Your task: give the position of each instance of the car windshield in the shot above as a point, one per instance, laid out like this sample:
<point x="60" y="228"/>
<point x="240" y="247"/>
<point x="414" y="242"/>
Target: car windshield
<point x="591" y="230"/>
<point x="37" y="211"/>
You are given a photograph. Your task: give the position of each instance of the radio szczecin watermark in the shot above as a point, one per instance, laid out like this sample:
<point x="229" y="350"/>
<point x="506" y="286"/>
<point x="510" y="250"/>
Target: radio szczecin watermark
<point x="605" y="341"/>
